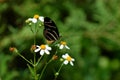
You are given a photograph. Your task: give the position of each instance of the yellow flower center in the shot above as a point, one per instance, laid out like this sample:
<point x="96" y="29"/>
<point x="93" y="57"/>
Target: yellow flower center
<point x="43" y="47"/>
<point x="36" y="16"/>
<point x="68" y="58"/>
<point x="63" y="43"/>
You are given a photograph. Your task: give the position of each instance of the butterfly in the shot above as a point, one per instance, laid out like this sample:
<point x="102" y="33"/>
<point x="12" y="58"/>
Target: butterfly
<point x="50" y="31"/>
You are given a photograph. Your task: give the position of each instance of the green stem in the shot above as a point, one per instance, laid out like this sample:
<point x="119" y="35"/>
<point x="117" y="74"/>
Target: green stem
<point x="34" y="58"/>
<point x="44" y="68"/>
<point x="57" y="73"/>
<point x="34" y="32"/>
<point x="34" y="38"/>
<point x="56" y="51"/>
<point x="35" y="66"/>
<point x="35" y="71"/>
<point x="25" y="59"/>
<point x="39" y="60"/>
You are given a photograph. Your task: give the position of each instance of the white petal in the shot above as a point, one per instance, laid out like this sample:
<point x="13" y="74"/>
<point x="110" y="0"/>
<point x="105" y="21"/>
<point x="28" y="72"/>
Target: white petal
<point x="64" y="56"/>
<point x="65" y="62"/>
<point x="71" y="63"/>
<point x="67" y="47"/>
<point x="73" y="59"/>
<point x="41" y="18"/>
<point x="34" y="20"/>
<point x="30" y="19"/>
<point x="47" y="52"/>
<point x="37" y="46"/>
<point x="61" y="46"/>
<point x="48" y="48"/>
<point x="42" y="52"/>
<point x="36" y="50"/>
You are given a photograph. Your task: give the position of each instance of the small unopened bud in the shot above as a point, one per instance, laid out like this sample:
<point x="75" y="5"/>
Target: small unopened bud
<point x="61" y="59"/>
<point x="13" y="49"/>
<point x="55" y="57"/>
<point x="27" y="21"/>
<point x="33" y="47"/>
<point x="56" y="74"/>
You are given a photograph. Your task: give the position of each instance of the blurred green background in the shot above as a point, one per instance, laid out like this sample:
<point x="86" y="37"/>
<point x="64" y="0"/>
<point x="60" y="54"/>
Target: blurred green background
<point x="90" y="27"/>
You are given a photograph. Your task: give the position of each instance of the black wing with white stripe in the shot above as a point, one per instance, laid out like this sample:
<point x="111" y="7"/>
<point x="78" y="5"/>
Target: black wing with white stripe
<point x="50" y="32"/>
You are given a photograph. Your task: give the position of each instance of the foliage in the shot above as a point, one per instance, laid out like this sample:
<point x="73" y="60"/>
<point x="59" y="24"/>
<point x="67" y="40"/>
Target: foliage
<point x="91" y="28"/>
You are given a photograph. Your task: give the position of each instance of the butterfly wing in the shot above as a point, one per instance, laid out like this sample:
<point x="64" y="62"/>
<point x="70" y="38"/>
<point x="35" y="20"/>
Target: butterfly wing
<point x="50" y="32"/>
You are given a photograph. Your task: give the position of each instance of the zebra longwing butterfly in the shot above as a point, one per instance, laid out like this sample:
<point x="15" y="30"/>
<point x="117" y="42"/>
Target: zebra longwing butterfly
<point x="50" y="32"/>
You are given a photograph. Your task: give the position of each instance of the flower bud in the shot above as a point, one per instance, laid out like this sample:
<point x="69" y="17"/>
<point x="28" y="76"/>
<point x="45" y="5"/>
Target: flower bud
<point x="55" y="57"/>
<point x="61" y="59"/>
<point x="56" y="74"/>
<point x="13" y="49"/>
<point x="33" y="47"/>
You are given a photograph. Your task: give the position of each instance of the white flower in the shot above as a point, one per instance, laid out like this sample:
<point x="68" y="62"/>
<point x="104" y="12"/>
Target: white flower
<point x="43" y="49"/>
<point x="32" y="20"/>
<point x="35" y="19"/>
<point x="68" y="59"/>
<point x="62" y="45"/>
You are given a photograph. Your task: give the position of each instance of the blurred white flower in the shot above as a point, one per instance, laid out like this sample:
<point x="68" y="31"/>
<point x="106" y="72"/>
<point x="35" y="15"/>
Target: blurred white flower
<point x="62" y="45"/>
<point x="68" y="59"/>
<point x="43" y="49"/>
<point x="35" y="19"/>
